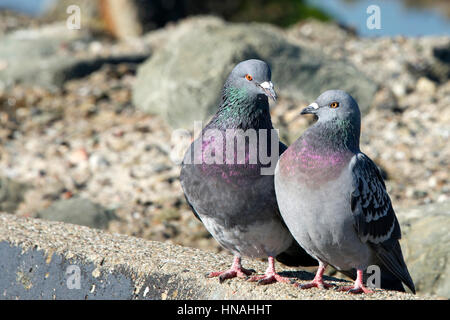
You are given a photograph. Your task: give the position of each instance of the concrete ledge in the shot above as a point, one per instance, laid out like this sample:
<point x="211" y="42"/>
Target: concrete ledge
<point x="52" y="260"/>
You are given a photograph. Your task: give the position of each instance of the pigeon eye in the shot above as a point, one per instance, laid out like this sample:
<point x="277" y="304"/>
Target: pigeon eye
<point x="334" y="105"/>
<point x="248" y="77"/>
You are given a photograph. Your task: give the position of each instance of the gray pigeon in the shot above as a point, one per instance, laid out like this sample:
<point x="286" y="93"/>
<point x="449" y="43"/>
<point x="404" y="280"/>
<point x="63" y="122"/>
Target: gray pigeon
<point x="334" y="201"/>
<point x="233" y="199"/>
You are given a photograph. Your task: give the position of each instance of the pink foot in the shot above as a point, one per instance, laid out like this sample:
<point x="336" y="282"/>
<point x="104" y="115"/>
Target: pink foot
<point x="231" y="273"/>
<point x="320" y="284"/>
<point x="358" y="287"/>
<point x="318" y="280"/>
<point x="355" y="289"/>
<point x="236" y="270"/>
<point x="270" y="276"/>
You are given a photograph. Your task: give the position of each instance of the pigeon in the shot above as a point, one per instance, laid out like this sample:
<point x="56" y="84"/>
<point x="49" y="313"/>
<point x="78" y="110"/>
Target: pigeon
<point x="232" y="198"/>
<point x="334" y="201"/>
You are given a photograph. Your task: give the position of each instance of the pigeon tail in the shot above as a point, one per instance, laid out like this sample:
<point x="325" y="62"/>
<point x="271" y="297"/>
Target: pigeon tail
<point x="388" y="280"/>
<point x="391" y="256"/>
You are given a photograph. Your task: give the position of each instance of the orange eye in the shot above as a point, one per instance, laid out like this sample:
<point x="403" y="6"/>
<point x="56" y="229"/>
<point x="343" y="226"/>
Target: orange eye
<point x="248" y="77"/>
<point x="334" y="105"/>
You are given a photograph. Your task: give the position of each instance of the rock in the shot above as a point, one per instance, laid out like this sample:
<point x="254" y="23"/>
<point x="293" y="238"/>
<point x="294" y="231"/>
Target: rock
<point x="11" y="194"/>
<point x="426" y="86"/>
<point x="435" y="64"/>
<point x="399" y="89"/>
<point x="317" y="32"/>
<point x="62" y="54"/>
<point x="98" y="162"/>
<point x="440" y="69"/>
<point x="385" y="99"/>
<point x="38" y="258"/>
<point x="48" y="45"/>
<point x="426" y="243"/>
<point x="78" y="211"/>
<point x="182" y="81"/>
<point x="78" y="156"/>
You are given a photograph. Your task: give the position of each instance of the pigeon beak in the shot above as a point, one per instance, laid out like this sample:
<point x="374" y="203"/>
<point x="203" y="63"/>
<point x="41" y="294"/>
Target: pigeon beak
<point x="267" y="86"/>
<point x="311" y="109"/>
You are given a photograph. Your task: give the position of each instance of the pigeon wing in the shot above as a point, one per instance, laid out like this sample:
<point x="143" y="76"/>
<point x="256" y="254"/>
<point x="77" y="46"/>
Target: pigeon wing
<point x="192" y="208"/>
<point x="375" y="220"/>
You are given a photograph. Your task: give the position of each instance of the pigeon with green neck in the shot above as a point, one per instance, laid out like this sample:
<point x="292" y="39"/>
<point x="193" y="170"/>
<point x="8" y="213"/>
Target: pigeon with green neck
<point x="231" y="196"/>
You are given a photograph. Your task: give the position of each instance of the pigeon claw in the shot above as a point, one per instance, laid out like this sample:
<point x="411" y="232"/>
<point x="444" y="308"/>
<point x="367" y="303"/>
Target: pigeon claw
<point x="229" y="274"/>
<point x="358" y="286"/>
<point x="320" y="284"/>
<point x="269" y="278"/>
<point x="356" y="289"/>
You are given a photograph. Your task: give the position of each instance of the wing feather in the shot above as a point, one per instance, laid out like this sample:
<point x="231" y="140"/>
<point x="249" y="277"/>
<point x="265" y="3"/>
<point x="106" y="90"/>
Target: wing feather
<point x="375" y="220"/>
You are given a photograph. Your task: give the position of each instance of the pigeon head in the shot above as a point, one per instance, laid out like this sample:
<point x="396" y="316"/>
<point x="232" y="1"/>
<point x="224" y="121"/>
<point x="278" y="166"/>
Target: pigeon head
<point x="334" y="105"/>
<point x="250" y="80"/>
<point x="338" y="116"/>
<point x="244" y="102"/>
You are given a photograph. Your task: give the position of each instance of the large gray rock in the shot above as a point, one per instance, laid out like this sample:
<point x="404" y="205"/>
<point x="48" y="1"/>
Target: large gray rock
<point x="426" y="246"/>
<point x="38" y="56"/>
<point x="182" y="80"/>
<point x="50" y="55"/>
<point x="78" y="211"/>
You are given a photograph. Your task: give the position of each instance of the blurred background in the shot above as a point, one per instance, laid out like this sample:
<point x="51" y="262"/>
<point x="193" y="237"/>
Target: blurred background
<point x="92" y="98"/>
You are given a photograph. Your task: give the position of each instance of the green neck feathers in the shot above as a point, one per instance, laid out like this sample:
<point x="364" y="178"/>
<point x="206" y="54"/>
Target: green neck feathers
<point x="240" y="110"/>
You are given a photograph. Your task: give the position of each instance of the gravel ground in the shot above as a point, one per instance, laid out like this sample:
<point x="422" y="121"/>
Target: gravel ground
<point x="87" y="140"/>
